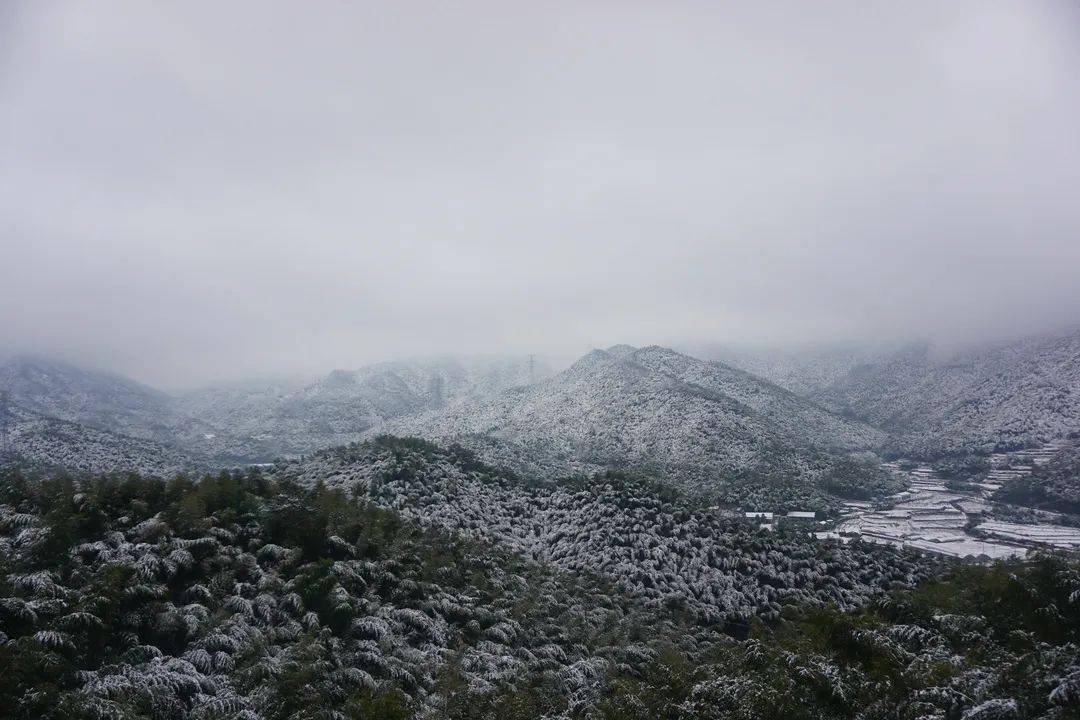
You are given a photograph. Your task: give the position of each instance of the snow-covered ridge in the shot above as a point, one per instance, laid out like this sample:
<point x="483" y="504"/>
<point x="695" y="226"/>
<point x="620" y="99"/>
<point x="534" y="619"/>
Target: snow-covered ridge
<point x="249" y="422"/>
<point x="998" y="396"/>
<point x="687" y="419"/>
<point x="47" y="441"/>
<point x="336" y="409"/>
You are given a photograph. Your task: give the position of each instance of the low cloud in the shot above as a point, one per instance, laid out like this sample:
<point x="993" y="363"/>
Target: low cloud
<point x="192" y="191"/>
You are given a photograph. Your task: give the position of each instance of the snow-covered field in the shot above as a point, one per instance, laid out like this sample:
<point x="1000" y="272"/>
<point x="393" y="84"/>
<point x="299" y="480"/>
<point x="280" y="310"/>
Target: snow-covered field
<point x="932" y="518"/>
<point x="1056" y="535"/>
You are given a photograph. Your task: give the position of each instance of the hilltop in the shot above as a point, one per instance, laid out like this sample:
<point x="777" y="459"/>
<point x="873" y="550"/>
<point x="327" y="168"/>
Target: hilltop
<point x="687" y="420"/>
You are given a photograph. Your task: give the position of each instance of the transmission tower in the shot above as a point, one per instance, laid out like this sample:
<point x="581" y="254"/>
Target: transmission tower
<point x="532" y="369"/>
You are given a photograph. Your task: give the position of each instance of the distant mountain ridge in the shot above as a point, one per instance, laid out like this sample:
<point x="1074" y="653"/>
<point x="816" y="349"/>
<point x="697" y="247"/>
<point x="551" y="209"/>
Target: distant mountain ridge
<point x="651" y="407"/>
<point x="105" y="400"/>
<point x="687" y="419"/>
<point x="1009" y="395"/>
<point x="48" y="441"/>
<point x="238" y="424"/>
<point x="802" y="369"/>
<point x="1004" y="395"/>
<point x="121" y="408"/>
<point x="338" y="408"/>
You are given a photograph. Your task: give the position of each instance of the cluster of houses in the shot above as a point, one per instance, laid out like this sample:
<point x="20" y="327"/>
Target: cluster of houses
<point x="770" y="521"/>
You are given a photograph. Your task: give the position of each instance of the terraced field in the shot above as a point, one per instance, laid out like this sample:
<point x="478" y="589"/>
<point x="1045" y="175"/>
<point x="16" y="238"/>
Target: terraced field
<point x="933" y="518"/>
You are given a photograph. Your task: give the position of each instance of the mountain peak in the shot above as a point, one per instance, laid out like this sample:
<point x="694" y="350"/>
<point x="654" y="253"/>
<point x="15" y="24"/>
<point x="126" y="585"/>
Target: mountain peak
<point x="591" y="359"/>
<point x="689" y="420"/>
<point x="621" y="351"/>
<point x="340" y="378"/>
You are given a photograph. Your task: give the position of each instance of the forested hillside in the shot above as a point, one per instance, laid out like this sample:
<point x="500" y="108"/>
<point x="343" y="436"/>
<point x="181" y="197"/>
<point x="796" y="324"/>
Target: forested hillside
<point x="377" y="593"/>
<point x="32" y="438"/>
<point x="653" y="542"/>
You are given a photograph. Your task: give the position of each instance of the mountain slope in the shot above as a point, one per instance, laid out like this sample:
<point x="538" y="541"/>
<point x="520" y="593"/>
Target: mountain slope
<point x="1010" y="395"/>
<point x="336" y="409"/>
<point x="687" y="419"/>
<point x="651" y="542"/>
<point x="30" y="437"/>
<point x="102" y="400"/>
<point x="243" y="423"/>
<point x="304" y="595"/>
<point x="803" y="370"/>
<point x="124" y="409"/>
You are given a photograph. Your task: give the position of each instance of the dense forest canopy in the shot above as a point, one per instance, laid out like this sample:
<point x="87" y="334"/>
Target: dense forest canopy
<point x="253" y="595"/>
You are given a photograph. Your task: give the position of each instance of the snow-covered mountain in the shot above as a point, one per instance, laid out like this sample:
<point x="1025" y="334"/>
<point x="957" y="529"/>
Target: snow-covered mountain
<point x="686" y="419"/>
<point x="102" y="400"/>
<point x="931" y="401"/>
<point x="123" y="409"/>
<point x="336" y="409"/>
<point x="48" y="441"/>
<point x="1019" y="393"/>
<point x="237" y="424"/>
<point x="802" y="369"/>
<point x="690" y="420"/>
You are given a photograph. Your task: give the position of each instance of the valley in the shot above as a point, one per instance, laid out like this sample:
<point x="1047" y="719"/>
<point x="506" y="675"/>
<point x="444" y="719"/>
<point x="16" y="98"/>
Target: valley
<point x="454" y="537"/>
<point x="934" y="518"/>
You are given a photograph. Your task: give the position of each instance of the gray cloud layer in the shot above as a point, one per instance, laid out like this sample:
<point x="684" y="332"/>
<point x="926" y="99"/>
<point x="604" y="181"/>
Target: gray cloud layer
<point x="195" y="190"/>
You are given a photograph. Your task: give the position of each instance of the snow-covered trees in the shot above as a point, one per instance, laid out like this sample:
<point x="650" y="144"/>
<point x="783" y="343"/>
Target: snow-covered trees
<point x="649" y="541"/>
<point x="230" y="598"/>
<point x="398" y="579"/>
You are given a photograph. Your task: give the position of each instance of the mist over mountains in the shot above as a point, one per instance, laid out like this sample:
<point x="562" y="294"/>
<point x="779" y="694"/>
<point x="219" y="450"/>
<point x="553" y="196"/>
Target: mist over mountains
<point x="236" y="424"/>
<point x="933" y="401"/>
<point x="685" y="419"/>
<point x="574" y="545"/>
<point x="641" y="534"/>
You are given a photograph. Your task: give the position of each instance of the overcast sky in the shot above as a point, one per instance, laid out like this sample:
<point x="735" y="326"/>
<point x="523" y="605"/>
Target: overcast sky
<point x="193" y="191"/>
